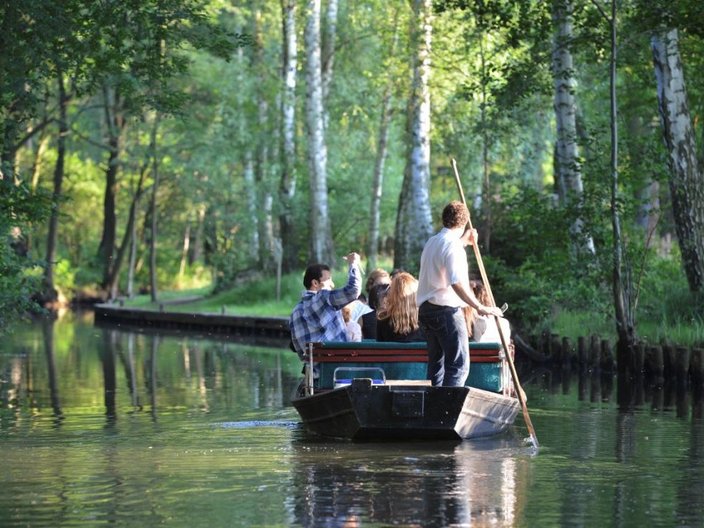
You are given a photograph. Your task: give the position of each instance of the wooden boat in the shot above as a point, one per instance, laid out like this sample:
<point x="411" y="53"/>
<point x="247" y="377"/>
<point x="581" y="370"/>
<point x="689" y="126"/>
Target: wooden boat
<point x="377" y="391"/>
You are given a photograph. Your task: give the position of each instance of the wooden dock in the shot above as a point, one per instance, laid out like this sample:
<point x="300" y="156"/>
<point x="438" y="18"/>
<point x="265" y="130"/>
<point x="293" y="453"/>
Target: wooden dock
<point x="203" y="323"/>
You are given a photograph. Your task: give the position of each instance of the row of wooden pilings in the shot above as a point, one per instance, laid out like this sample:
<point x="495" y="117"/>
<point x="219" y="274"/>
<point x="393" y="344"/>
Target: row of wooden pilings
<point x="659" y="362"/>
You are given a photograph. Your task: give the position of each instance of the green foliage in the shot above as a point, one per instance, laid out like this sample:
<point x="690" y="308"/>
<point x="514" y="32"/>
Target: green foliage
<point x="212" y="70"/>
<point x="20" y="276"/>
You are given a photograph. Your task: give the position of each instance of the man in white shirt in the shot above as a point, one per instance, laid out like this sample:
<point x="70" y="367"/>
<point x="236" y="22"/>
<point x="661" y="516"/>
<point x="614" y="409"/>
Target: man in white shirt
<point x="443" y="290"/>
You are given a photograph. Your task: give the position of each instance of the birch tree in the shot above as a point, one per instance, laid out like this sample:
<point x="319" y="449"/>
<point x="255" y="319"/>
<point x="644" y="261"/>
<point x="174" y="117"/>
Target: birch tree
<point x="568" y="168"/>
<point x="321" y="249"/>
<point x="686" y="178"/>
<point x="380" y="160"/>
<point x="263" y="198"/>
<point x="328" y="53"/>
<point x="287" y="186"/>
<point x="414" y="220"/>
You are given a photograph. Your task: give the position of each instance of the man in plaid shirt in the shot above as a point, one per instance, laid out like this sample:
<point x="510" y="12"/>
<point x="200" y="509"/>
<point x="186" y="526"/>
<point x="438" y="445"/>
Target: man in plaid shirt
<point x="317" y="316"/>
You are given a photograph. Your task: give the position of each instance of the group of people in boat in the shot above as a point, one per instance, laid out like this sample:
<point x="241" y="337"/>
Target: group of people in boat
<point x="441" y="307"/>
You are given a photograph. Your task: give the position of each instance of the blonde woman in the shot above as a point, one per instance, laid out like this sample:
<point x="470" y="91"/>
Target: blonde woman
<point x="398" y="316"/>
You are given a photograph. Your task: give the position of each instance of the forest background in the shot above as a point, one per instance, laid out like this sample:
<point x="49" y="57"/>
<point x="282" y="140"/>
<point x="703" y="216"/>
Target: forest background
<point x="205" y="145"/>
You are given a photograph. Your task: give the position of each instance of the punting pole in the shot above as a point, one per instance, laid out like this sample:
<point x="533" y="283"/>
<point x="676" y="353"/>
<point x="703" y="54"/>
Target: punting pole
<point x="485" y="280"/>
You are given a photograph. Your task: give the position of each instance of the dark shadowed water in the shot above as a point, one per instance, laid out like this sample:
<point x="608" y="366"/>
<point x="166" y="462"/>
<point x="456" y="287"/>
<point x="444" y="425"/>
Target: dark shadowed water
<point x="101" y="426"/>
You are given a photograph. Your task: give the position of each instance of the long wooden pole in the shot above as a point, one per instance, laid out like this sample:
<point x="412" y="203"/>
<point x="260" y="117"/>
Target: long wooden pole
<point x="514" y="375"/>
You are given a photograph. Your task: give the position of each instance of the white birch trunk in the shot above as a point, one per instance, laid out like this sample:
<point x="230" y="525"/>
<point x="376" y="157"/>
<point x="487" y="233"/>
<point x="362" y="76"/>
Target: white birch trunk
<point x="378" y="180"/>
<point x="320" y="238"/>
<point x="328" y="53"/>
<point x="287" y="187"/>
<point x="381" y="153"/>
<point x="153" y="215"/>
<point x="414" y="220"/>
<point x="251" y="196"/>
<point x="686" y="179"/>
<point x="263" y="138"/>
<point x="184" y="251"/>
<point x="568" y="170"/>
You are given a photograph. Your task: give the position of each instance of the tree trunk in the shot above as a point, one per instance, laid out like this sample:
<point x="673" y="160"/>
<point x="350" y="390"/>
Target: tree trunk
<point x="264" y="139"/>
<point x="115" y="124"/>
<point x="486" y="182"/>
<point x="152" y="208"/>
<point x="381" y="153"/>
<point x="184" y="251"/>
<point x="252" y="208"/>
<point x="132" y="261"/>
<point x="622" y="283"/>
<point x="50" y="293"/>
<point x="328" y="53"/>
<point x="686" y="179"/>
<point x="287" y="186"/>
<point x="126" y="244"/>
<point x="568" y="170"/>
<point x="198" y="253"/>
<point x="414" y="220"/>
<point x="321" y="249"/>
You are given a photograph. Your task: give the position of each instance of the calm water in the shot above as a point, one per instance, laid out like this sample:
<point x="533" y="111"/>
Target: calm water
<point x="100" y="426"/>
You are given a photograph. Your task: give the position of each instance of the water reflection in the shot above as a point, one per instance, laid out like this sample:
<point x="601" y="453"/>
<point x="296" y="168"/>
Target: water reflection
<point x="469" y="484"/>
<point x="134" y="373"/>
<point x="48" y="335"/>
<point x="102" y="426"/>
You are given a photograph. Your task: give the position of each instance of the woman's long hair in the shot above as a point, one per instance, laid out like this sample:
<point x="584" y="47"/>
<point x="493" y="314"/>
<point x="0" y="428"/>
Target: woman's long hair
<point x="400" y="304"/>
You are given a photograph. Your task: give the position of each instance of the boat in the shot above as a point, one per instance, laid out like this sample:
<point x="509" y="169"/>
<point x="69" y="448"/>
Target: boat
<point x="377" y="391"/>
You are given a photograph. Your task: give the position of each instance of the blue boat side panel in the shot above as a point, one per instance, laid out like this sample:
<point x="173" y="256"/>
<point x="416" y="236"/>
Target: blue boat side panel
<point x="486" y="376"/>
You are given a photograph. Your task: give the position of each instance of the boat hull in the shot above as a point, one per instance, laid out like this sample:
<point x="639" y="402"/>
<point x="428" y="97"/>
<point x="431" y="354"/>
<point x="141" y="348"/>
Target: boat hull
<point x="362" y="411"/>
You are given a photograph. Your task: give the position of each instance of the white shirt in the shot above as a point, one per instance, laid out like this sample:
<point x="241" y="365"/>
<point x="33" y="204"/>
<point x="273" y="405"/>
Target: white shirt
<point x="484" y="329"/>
<point x="442" y="264"/>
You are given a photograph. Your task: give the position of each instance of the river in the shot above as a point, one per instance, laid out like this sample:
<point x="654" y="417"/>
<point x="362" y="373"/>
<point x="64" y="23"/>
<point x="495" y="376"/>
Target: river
<point x="101" y="426"/>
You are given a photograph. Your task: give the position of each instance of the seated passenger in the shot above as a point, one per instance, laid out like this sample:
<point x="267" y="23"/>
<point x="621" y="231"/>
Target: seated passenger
<point x="376" y="299"/>
<point x="484" y="328"/>
<point x="317" y="316"/>
<point x="398" y="318"/>
<point x="354" y="331"/>
<point x="378" y="276"/>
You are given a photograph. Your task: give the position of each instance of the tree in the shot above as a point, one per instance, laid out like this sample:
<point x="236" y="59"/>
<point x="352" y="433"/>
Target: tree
<point x="380" y="158"/>
<point x="686" y="178"/>
<point x="568" y="169"/>
<point x="414" y="219"/>
<point x="321" y="249"/>
<point x="287" y="185"/>
<point x="50" y="294"/>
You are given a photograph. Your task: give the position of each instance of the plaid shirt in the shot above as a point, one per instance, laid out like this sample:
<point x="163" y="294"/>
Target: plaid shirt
<point x="317" y="316"/>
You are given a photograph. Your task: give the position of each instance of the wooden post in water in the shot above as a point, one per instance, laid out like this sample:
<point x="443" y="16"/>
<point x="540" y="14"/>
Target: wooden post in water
<point x="594" y="352"/>
<point x="682" y="364"/>
<point x="658" y="364"/>
<point x="639" y="359"/>
<point x="555" y="349"/>
<point x="567" y="353"/>
<point x="545" y="345"/>
<point x="582" y="351"/>
<point x="607" y="356"/>
<point x="668" y="356"/>
<point x="696" y="366"/>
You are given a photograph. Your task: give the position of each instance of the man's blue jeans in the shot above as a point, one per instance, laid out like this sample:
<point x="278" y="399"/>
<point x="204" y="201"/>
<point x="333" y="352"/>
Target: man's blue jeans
<point x="448" y="344"/>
